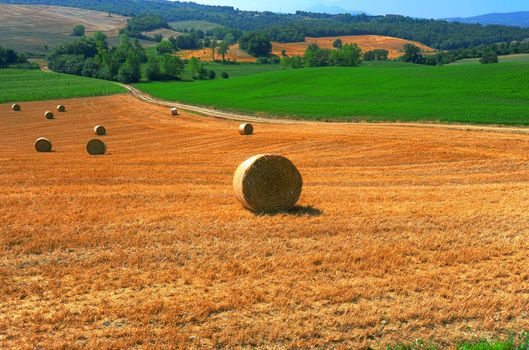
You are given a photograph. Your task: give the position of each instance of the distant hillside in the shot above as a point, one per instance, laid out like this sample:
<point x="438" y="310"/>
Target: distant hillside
<point x="513" y="19"/>
<point x="296" y="27"/>
<point x="33" y="28"/>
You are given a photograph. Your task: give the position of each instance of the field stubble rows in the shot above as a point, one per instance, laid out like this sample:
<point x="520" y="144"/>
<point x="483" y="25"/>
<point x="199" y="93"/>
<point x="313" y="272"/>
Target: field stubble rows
<point x="402" y="233"/>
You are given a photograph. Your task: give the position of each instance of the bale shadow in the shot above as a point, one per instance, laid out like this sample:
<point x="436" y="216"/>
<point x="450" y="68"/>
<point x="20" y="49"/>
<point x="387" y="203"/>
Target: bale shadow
<point x="298" y="210"/>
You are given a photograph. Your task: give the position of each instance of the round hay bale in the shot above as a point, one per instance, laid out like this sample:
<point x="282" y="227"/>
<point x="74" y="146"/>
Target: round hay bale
<point x="43" y="145"/>
<point x="61" y="108"/>
<point x="246" y="129"/>
<point x="100" y="130"/>
<point x="15" y="107"/>
<point x="267" y="183"/>
<point x="174" y="111"/>
<point x="48" y="115"/>
<point x="96" y="147"/>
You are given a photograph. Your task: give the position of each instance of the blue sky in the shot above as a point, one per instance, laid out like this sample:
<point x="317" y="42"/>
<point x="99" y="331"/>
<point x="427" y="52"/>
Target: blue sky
<point x="417" y="8"/>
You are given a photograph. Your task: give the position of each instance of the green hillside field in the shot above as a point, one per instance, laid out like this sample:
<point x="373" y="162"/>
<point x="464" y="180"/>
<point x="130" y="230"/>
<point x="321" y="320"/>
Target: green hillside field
<point x="489" y="94"/>
<point x="17" y="85"/>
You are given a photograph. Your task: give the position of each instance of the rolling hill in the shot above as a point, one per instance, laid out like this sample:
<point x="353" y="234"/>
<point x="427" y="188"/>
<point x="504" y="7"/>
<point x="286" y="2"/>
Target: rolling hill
<point x="366" y="42"/>
<point x="30" y="28"/>
<point x="513" y="19"/>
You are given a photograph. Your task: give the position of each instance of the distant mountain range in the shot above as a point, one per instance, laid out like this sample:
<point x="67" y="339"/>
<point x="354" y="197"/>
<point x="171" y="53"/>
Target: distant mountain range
<point x="331" y="9"/>
<point x="513" y="19"/>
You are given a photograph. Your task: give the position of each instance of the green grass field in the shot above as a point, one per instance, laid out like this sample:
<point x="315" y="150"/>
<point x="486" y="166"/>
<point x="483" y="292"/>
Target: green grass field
<point x="17" y="85"/>
<point x="493" y="94"/>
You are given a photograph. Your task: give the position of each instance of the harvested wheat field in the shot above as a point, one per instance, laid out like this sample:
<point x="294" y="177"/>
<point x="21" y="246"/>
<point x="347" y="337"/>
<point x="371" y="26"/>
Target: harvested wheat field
<point x="366" y="42"/>
<point x="402" y="233"/>
<point x="32" y="27"/>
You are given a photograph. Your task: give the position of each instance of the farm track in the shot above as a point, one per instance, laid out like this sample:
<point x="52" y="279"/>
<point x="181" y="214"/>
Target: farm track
<point x="402" y="233"/>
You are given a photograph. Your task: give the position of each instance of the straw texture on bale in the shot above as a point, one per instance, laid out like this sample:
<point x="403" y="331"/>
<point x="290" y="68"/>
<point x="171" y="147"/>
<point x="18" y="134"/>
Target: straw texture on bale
<point x="174" y="111"/>
<point x="42" y="144"/>
<point x="267" y="183"/>
<point x="246" y="129"/>
<point x="15" y="107"/>
<point x="48" y="115"/>
<point x="61" y="108"/>
<point x="96" y="147"/>
<point x="100" y="130"/>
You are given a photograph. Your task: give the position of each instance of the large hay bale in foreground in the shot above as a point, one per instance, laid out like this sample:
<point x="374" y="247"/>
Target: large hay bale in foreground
<point x="100" y="130"/>
<point x="96" y="147"/>
<point x="48" y="115"/>
<point x="267" y="183"/>
<point x="246" y="129"/>
<point x="61" y="108"/>
<point x="42" y="144"/>
<point x="15" y="107"/>
<point x="174" y="111"/>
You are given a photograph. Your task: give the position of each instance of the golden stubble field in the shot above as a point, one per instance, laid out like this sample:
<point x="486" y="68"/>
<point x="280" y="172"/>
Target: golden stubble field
<point x="402" y="233"/>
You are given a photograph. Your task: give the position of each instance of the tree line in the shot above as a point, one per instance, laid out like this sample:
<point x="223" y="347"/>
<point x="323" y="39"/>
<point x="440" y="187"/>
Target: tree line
<point x="125" y="63"/>
<point x="9" y="58"/>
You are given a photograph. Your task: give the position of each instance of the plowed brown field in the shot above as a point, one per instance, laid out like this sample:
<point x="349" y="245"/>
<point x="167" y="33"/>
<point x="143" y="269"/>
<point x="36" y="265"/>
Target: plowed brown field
<point x="366" y="42"/>
<point x="403" y="233"/>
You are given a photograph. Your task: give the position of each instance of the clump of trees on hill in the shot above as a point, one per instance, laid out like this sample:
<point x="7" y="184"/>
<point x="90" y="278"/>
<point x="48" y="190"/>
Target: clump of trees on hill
<point x="489" y="57"/>
<point x="92" y="57"/>
<point x="349" y="55"/>
<point x="78" y="30"/>
<point x="413" y="54"/>
<point x="11" y="59"/>
<point x="137" y="25"/>
<point x="187" y="41"/>
<point x="164" y="67"/>
<point x="376" y="55"/>
<point x="256" y="44"/>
